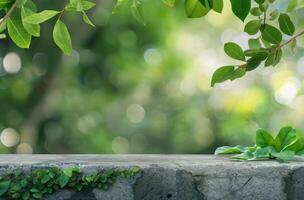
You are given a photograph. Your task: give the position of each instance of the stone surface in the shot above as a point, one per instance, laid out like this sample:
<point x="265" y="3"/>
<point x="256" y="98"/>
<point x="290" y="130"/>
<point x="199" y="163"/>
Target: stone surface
<point x="177" y="177"/>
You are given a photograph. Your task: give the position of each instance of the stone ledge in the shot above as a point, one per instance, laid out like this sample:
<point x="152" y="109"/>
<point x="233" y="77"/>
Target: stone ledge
<point x="177" y="177"/>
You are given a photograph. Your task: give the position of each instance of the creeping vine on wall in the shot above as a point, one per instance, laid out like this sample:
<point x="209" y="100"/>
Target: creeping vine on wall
<point x="19" y="185"/>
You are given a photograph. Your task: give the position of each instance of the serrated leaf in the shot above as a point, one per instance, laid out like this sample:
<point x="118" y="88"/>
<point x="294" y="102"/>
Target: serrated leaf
<point x="234" y="51"/>
<point x="252" y="27"/>
<point x="263" y="138"/>
<point x="271" y="34"/>
<point x="62" y="37"/>
<point x="194" y="9"/>
<point x="17" y="32"/>
<point x="241" y="8"/>
<point x="38" y="18"/>
<point x="286" y="25"/>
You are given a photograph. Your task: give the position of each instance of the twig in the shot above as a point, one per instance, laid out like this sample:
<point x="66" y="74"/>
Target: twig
<point x="8" y="14"/>
<point x="293" y="38"/>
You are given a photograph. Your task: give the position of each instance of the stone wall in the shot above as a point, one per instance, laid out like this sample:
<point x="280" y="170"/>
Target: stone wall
<point x="176" y="177"/>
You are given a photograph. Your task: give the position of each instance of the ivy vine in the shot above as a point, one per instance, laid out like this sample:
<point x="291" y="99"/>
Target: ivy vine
<point x="17" y="184"/>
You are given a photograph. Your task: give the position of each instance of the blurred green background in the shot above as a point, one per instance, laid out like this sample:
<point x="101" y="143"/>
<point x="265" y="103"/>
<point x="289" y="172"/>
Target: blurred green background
<point x="129" y="88"/>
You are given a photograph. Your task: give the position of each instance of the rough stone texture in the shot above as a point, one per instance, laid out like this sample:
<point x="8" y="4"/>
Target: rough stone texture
<point x="177" y="177"/>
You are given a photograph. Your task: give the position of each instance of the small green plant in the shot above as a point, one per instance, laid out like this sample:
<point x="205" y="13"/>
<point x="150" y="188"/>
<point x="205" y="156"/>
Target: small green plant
<point x="19" y="185"/>
<point x="283" y="147"/>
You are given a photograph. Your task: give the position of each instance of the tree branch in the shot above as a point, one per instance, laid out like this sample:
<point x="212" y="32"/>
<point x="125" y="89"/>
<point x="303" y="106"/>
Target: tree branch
<point x="290" y="40"/>
<point x="8" y="14"/>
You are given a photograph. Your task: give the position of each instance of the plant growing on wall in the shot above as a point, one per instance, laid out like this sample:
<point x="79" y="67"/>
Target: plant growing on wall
<point x="35" y="185"/>
<point x="283" y="147"/>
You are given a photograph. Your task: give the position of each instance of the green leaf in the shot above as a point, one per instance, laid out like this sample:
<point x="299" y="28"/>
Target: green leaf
<point x="265" y="152"/>
<point x="63" y="180"/>
<point x="241" y="8"/>
<point x="297" y="146"/>
<point x="45" y="179"/>
<point x="120" y="4"/>
<point x="238" y="73"/>
<point x="25" y="195"/>
<point x="62" y="37"/>
<point x="295" y="4"/>
<point x="271" y="34"/>
<point x="137" y="11"/>
<point x="247" y="155"/>
<point x="40" y="17"/>
<point x="38" y="195"/>
<point x="256" y="60"/>
<point x="286" y="25"/>
<point x="17" y="32"/>
<point x="33" y="29"/>
<point x="77" y="5"/>
<point x="252" y="27"/>
<point x="68" y="172"/>
<point x="5" y="3"/>
<point x="20" y="3"/>
<point x="222" y="74"/>
<point x="285" y="155"/>
<point x="4" y="185"/>
<point x="169" y="3"/>
<point x="86" y="5"/>
<point x="286" y="136"/>
<point x="194" y="9"/>
<point x="253" y="52"/>
<point x="234" y="51"/>
<point x="86" y="19"/>
<point x="263" y="138"/>
<point x="218" y="6"/>
<point x="254" y="43"/>
<point x="230" y="150"/>
<point x="274" y="58"/>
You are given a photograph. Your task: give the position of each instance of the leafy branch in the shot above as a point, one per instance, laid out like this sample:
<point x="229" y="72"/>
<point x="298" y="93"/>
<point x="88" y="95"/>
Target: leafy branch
<point x="283" y="147"/>
<point x="22" y="21"/>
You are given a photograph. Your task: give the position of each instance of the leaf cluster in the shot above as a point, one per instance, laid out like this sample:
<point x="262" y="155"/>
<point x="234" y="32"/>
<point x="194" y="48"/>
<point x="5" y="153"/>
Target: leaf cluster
<point x="283" y="147"/>
<point x="18" y="185"/>
<point x="23" y="20"/>
<point x="265" y="48"/>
